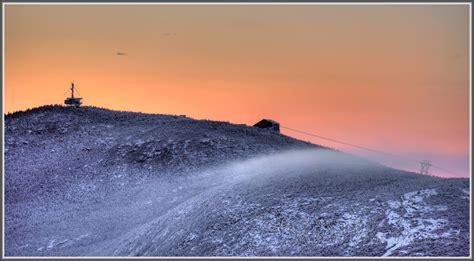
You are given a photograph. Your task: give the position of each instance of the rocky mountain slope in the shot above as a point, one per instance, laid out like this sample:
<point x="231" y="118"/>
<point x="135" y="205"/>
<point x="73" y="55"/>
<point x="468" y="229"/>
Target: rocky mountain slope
<point x="94" y="182"/>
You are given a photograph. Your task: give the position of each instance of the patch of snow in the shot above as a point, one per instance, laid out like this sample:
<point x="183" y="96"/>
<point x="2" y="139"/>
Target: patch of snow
<point x="192" y="236"/>
<point x="51" y="244"/>
<point x="393" y="204"/>
<point x="413" y="216"/>
<point x="81" y="237"/>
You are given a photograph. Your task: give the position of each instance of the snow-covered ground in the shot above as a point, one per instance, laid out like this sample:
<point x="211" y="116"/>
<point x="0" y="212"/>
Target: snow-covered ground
<point x="416" y="219"/>
<point x="93" y="182"/>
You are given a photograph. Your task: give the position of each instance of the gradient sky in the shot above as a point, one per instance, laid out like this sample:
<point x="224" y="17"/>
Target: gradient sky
<point x="389" y="77"/>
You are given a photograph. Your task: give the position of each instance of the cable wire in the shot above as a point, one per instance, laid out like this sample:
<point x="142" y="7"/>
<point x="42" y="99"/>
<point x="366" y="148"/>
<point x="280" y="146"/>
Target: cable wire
<point x="364" y="148"/>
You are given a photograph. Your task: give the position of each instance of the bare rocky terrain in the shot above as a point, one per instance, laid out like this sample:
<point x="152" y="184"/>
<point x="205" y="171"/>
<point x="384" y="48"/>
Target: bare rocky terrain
<point x="94" y="182"/>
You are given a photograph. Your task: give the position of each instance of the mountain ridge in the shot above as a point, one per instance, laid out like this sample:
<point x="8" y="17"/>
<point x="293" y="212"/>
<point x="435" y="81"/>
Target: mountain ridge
<point x="95" y="182"/>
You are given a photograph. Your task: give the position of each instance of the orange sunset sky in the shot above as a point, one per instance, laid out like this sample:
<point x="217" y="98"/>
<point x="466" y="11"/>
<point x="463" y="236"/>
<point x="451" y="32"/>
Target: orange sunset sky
<point x="389" y="77"/>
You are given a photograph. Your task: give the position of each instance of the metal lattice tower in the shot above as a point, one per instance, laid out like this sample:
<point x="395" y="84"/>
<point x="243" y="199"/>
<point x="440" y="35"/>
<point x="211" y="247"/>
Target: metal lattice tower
<point x="425" y="165"/>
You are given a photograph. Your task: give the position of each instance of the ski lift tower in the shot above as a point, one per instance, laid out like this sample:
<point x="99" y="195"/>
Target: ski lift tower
<point x="73" y="101"/>
<point x="425" y="165"/>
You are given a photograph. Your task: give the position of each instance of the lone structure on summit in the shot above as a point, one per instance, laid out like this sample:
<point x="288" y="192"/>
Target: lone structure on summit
<point x="73" y="101"/>
<point x="268" y="124"/>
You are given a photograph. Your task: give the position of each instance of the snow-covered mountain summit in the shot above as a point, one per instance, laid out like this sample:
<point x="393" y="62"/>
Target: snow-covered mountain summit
<point x="91" y="182"/>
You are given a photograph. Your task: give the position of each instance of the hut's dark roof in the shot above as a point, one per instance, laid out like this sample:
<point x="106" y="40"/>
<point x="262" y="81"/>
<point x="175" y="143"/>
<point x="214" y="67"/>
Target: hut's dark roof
<point x="272" y="121"/>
